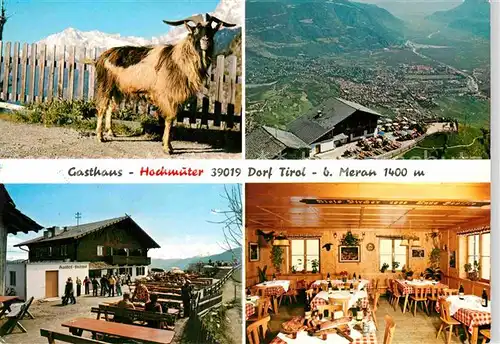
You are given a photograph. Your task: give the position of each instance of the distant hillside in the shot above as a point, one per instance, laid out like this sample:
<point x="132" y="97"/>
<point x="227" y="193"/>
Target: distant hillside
<point x="292" y="27"/>
<point x="183" y="263"/>
<point x="472" y="16"/>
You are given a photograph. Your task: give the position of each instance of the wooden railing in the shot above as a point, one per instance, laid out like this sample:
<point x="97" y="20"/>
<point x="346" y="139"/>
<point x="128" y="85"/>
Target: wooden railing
<point x="41" y="73"/>
<point x="205" y="300"/>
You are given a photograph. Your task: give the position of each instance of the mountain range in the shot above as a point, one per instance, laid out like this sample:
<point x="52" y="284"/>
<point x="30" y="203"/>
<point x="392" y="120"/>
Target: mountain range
<point x="227" y="10"/>
<point x="472" y="16"/>
<point x="292" y="27"/>
<point x="183" y="263"/>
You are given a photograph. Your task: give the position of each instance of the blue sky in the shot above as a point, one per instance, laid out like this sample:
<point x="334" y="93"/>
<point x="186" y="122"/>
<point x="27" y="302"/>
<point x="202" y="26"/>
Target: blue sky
<point x="33" y="20"/>
<point x="176" y="216"/>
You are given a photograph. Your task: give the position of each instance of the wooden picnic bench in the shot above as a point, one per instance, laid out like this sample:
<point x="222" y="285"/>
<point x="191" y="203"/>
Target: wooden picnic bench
<point x="16" y="313"/>
<point x="141" y="334"/>
<point x="7" y="302"/>
<point x="52" y="336"/>
<point x="133" y="314"/>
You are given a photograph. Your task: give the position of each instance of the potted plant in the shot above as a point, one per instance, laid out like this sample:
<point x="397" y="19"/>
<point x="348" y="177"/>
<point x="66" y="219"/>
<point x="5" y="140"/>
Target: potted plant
<point x="395" y="265"/>
<point x="433" y="273"/>
<point x="409" y="274"/>
<point x="262" y="274"/>
<point x="472" y="270"/>
<point x="294" y="269"/>
<point x="315" y="266"/>
<point x="349" y="239"/>
<point x="385" y="266"/>
<point x="343" y="276"/>
<point x="277" y="258"/>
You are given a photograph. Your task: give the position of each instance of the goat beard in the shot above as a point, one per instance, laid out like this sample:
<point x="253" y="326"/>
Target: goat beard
<point x="205" y="62"/>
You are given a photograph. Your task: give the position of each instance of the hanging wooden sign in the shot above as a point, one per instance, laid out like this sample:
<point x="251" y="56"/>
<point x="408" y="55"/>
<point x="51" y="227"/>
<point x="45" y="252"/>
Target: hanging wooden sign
<point x="329" y="201"/>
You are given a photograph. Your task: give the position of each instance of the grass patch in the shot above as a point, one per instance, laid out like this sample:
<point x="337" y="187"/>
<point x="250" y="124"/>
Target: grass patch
<point x="76" y="114"/>
<point x="465" y="136"/>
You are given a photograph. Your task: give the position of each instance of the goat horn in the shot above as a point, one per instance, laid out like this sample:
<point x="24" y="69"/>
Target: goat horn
<point x="217" y="20"/>
<point x="197" y="19"/>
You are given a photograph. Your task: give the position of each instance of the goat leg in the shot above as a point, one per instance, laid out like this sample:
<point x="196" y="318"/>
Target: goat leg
<point x="167" y="146"/>
<point x="101" y="108"/>
<point x="109" y="114"/>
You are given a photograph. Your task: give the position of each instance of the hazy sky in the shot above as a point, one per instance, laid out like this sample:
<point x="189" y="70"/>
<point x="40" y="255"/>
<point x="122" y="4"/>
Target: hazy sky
<point x="33" y="20"/>
<point x="176" y="216"/>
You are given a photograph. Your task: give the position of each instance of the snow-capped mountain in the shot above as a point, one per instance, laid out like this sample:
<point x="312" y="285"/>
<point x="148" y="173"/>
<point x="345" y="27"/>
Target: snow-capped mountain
<point x="230" y="11"/>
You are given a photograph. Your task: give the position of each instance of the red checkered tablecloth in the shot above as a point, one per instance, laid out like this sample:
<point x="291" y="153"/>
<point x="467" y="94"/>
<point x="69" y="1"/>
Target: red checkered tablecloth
<point x="368" y="339"/>
<point x="272" y="290"/>
<point x="249" y="309"/>
<point x="407" y="289"/>
<point x="471" y="318"/>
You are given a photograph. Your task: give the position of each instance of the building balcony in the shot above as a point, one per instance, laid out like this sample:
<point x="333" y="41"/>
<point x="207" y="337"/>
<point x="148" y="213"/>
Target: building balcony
<point x="128" y="260"/>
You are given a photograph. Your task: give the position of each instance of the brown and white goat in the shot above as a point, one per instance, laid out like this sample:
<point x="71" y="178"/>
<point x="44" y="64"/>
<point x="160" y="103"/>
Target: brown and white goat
<point x="167" y="75"/>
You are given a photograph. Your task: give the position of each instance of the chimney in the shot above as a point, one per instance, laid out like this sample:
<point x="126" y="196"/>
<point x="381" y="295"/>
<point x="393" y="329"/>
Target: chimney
<point x="319" y="114"/>
<point x="45" y="234"/>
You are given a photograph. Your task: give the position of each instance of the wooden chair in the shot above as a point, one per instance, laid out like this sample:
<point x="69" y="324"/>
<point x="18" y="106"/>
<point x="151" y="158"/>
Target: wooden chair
<point x="292" y="293"/>
<point x="419" y="296"/>
<point x="388" y="291"/>
<point x="254" y="330"/>
<point x="447" y="321"/>
<point x="396" y="295"/>
<point x="343" y="302"/>
<point x="301" y="284"/>
<point x="374" y="308"/>
<point x="433" y="297"/>
<point x="329" y="310"/>
<point x="309" y="294"/>
<point x="263" y="305"/>
<point x="486" y="335"/>
<point x="18" y="311"/>
<point x="390" y="327"/>
<point x="448" y="291"/>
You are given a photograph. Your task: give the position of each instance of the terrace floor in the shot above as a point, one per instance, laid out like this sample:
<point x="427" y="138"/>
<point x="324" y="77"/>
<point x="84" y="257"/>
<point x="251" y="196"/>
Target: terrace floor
<point x="50" y="314"/>
<point x="419" y="329"/>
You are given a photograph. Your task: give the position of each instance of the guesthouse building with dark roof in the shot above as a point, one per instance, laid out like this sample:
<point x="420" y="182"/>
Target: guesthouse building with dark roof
<point x="272" y="143"/>
<point x="113" y="246"/>
<point x="336" y="121"/>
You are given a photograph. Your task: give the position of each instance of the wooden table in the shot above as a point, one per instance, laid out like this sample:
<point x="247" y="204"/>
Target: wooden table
<point x="470" y="318"/>
<point x="7" y="301"/>
<point x="145" y="335"/>
<point x="273" y="289"/>
<point x="406" y="288"/>
<point x="371" y="338"/>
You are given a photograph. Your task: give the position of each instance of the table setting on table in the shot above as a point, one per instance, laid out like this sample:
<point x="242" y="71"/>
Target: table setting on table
<point x="469" y="311"/>
<point x="323" y="298"/>
<point x="275" y="287"/>
<point x="319" y="329"/>
<point x="251" y="305"/>
<point x="362" y="283"/>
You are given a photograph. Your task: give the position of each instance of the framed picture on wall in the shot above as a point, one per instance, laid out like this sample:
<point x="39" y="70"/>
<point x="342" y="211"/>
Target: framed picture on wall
<point x="253" y="252"/>
<point x="349" y="254"/>
<point x="453" y="259"/>
<point x="417" y="253"/>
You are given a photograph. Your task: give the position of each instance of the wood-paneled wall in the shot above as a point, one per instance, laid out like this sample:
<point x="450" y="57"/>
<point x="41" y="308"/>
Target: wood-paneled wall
<point x="368" y="267"/>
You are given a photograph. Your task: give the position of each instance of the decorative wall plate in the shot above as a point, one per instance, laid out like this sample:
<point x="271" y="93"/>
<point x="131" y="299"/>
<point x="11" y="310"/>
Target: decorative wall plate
<point x="370" y="247"/>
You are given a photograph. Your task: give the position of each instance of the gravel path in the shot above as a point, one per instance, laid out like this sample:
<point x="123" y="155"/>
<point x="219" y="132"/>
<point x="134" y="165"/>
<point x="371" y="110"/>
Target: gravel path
<point x="20" y="140"/>
<point x="234" y="314"/>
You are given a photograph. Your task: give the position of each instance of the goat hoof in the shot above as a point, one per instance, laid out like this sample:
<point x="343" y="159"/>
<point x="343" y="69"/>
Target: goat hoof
<point x="111" y="133"/>
<point x="100" y="138"/>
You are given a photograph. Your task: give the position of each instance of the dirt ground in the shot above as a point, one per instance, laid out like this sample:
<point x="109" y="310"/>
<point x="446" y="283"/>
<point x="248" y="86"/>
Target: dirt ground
<point x="50" y="315"/>
<point x="20" y="140"/>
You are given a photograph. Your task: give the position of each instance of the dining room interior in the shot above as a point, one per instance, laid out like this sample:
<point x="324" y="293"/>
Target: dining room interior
<point x="367" y="263"/>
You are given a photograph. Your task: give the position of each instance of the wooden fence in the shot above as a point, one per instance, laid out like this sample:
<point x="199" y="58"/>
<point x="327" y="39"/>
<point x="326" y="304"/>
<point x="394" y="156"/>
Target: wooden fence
<point x="40" y="73"/>
<point x="203" y="302"/>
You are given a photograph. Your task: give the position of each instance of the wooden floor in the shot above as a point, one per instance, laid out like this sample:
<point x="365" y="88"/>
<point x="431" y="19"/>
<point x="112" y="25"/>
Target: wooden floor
<point x="419" y="329"/>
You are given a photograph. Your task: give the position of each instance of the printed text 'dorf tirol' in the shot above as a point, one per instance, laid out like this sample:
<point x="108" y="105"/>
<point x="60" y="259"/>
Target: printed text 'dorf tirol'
<point x="281" y="172"/>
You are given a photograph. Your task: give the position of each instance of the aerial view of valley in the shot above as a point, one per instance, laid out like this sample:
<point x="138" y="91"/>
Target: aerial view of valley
<point x="338" y="79"/>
